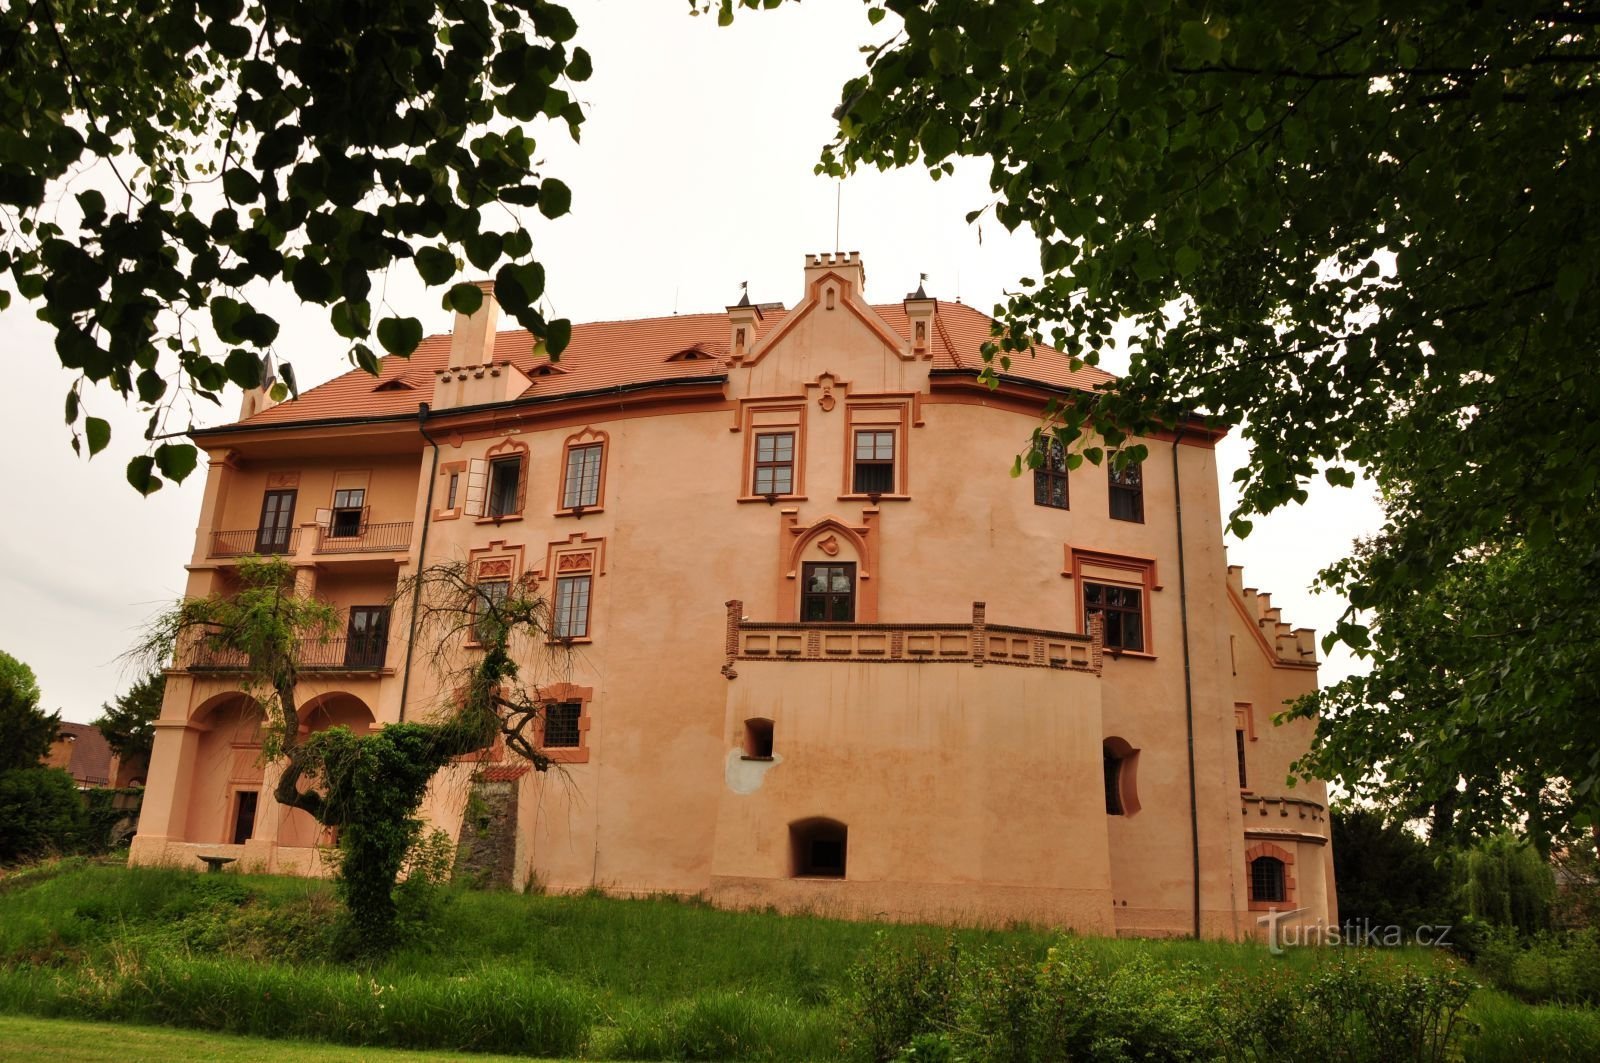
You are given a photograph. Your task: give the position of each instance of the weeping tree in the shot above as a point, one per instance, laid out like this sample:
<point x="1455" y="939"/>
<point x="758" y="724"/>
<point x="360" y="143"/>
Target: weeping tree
<point x="371" y="786"/>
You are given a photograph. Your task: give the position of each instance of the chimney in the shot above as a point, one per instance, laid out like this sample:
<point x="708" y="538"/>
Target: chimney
<point x="473" y="377"/>
<point x="472" y="341"/>
<point x="847" y="266"/>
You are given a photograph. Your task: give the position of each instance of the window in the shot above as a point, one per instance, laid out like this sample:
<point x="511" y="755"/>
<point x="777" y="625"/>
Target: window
<point x="828" y="592"/>
<point x="505" y="487"/>
<point x="561" y="730"/>
<point x="455" y="486"/>
<point x="277" y="521"/>
<point x="348" y="509"/>
<point x="367" y="637"/>
<point x="491" y="593"/>
<point x="571" y="620"/>
<point x="1113" y="780"/>
<point x="583" y="476"/>
<point x="758" y="739"/>
<point x="1267" y="879"/>
<point x="874" y="463"/>
<point x="1238" y="741"/>
<point x="817" y="848"/>
<point x="1127" y="493"/>
<point x="1123" y="611"/>
<point x="774" y="464"/>
<point x="1050" y="478"/>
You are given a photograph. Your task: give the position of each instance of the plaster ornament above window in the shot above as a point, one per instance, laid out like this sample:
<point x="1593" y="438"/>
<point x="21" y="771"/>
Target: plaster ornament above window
<point x="829" y="546"/>
<point x="827" y="402"/>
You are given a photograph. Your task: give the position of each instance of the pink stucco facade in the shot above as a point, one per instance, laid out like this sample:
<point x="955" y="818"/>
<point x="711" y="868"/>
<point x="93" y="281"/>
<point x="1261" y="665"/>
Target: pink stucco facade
<point x="938" y="749"/>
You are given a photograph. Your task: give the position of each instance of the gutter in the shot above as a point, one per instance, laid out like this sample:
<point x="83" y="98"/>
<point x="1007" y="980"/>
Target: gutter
<point x="1188" y="682"/>
<point x="422" y="553"/>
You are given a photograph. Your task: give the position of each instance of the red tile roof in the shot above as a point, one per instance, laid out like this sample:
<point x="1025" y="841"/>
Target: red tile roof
<point x="90" y="763"/>
<point x="607" y="354"/>
<point x="503" y="772"/>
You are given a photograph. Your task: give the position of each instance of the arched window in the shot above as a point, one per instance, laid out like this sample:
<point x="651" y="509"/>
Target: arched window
<point x="1113" y="770"/>
<point x="1267" y="879"/>
<point x="1118" y="761"/>
<point x="758" y="739"/>
<point x="817" y="848"/>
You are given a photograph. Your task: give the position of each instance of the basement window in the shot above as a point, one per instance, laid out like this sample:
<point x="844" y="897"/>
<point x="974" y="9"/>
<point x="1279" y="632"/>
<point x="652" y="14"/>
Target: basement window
<point x="817" y="848"/>
<point x="758" y="739"/>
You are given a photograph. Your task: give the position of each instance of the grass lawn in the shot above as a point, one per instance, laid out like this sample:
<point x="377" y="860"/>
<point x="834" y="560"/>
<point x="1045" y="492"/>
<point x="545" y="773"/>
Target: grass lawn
<point x="64" y="1041"/>
<point x="555" y="976"/>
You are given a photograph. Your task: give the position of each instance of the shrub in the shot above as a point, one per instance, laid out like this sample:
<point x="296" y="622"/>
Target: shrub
<point x="1548" y="966"/>
<point x="41" y="814"/>
<point x="895" y="994"/>
<point x="998" y="1005"/>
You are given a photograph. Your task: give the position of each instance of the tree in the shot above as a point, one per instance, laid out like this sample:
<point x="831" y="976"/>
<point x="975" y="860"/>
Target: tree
<point x="369" y="786"/>
<point x="265" y="141"/>
<point x="26" y="732"/>
<point x="1387" y="875"/>
<point x="40" y="811"/>
<point x="1352" y="229"/>
<point x="129" y="722"/>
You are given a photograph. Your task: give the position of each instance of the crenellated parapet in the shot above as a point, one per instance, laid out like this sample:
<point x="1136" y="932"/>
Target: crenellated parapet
<point x="1287" y="645"/>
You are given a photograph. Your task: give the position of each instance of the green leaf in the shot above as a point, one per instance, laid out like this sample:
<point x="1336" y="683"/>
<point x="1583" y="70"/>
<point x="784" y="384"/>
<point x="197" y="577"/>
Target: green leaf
<point x="1199" y="42"/>
<point x="558" y="335"/>
<point x="464" y="298"/>
<point x="243" y="367"/>
<point x="435" y="265"/>
<point x="400" y="335"/>
<point x="141" y="474"/>
<point x="240" y="186"/>
<point x="555" y="198"/>
<point x="1187" y="260"/>
<point x="176" y="460"/>
<point x="98" y="432"/>
<point x="231" y="40"/>
<point x="74" y="406"/>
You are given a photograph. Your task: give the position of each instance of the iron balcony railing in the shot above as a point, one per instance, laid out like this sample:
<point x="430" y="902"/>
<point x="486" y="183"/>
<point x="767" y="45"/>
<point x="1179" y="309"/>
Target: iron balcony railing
<point x="255" y="541"/>
<point x="368" y="538"/>
<point x="361" y="654"/>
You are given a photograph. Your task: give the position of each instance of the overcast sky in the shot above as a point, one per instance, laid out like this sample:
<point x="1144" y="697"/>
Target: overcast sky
<point x="694" y="174"/>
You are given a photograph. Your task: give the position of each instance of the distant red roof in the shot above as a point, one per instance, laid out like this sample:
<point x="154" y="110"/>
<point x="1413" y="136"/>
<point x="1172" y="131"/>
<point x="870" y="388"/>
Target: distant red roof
<point x="607" y="354"/>
<point x="90" y="761"/>
<point x="503" y="772"/>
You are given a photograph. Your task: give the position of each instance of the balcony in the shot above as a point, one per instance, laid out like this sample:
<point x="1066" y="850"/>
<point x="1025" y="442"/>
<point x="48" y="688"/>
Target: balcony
<point x="255" y="541"/>
<point x="365" y="654"/>
<point x="975" y="644"/>
<point x="366" y="539"/>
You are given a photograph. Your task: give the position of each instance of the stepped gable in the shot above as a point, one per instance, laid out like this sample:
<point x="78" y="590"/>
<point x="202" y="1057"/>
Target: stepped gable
<point x="1282" y="643"/>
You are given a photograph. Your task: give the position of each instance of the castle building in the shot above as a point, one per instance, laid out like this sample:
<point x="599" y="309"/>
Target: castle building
<point x="822" y="652"/>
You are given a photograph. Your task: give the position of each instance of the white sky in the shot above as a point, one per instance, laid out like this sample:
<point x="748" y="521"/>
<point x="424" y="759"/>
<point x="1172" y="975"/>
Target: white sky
<point x="694" y="174"/>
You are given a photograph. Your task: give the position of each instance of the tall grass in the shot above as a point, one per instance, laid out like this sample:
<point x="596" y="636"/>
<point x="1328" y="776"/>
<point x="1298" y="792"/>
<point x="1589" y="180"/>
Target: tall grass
<point x="556" y="975"/>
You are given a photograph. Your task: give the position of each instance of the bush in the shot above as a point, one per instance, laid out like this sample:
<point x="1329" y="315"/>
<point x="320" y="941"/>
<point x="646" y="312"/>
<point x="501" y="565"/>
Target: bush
<point x="1548" y="966"/>
<point x="895" y="994"/>
<point x="1509" y="1032"/>
<point x="41" y="814"/>
<point x="1001" y="1006"/>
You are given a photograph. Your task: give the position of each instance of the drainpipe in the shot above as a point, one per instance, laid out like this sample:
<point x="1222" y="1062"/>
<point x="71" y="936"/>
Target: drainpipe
<point x="422" y="553"/>
<point x="1188" y="680"/>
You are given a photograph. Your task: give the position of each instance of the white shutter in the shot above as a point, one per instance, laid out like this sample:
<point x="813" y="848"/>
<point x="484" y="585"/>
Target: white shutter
<point x="477" y="486"/>
<point x="325" y="519"/>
